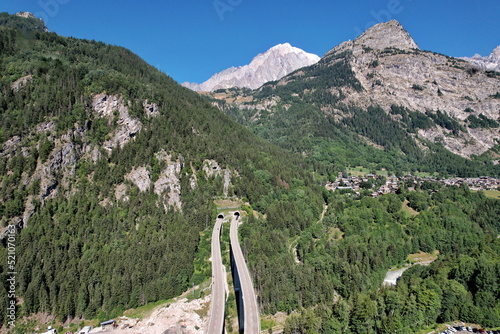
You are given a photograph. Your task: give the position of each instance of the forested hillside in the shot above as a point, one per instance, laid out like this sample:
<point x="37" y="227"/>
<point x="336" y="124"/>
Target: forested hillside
<point x="109" y="169"/>
<point x="332" y="270"/>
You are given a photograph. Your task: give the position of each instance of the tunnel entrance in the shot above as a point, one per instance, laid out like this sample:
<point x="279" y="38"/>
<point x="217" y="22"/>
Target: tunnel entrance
<point x="221" y="216"/>
<point x="237" y="215"/>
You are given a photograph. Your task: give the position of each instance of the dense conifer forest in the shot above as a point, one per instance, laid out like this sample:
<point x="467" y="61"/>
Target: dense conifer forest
<point x="336" y="278"/>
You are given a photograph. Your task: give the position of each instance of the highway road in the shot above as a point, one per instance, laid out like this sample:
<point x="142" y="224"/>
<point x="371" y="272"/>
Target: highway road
<point x="250" y="307"/>
<point x="216" y="321"/>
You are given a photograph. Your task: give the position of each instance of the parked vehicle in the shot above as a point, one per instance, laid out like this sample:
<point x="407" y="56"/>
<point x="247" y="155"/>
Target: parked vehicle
<point x="50" y="330"/>
<point x="85" y="330"/>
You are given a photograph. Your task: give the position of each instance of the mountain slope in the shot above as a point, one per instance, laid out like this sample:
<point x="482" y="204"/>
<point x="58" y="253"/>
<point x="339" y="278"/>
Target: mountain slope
<point x="108" y="173"/>
<point x="427" y="82"/>
<point x="381" y="92"/>
<point x="271" y="65"/>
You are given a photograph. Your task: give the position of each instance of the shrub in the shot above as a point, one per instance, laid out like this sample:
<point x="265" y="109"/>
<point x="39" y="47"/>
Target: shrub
<point x="417" y="87"/>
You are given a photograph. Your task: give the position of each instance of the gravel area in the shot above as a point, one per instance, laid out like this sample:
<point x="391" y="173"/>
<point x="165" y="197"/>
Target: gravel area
<point x="180" y="317"/>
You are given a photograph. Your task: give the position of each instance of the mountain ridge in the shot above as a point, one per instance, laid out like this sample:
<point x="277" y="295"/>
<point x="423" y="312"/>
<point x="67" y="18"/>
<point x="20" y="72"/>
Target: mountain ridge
<point x="489" y="63"/>
<point x="271" y="65"/>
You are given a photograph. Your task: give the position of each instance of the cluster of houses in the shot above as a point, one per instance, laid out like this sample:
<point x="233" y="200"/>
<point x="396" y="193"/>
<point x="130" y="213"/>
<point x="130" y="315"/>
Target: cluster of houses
<point x="476" y="183"/>
<point x="375" y="184"/>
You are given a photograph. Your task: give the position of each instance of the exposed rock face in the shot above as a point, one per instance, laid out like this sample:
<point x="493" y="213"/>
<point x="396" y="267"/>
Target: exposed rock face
<point x="57" y="170"/>
<point x="387" y="35"/>
<point x="141" y="177"/>
<point x="489" y="63"/>
<point x="63" y="158"/>
<point x="212" y="169"/>
<point x="10" y="146"/>
<point x="272" y="65"/>
<point x="392" y="70"/>
<point x="21" y="82"/>
<point x="107" y="106"/>
<point x="121" y="193"/>
<point x="26" y="15"/>
<point x="46" y="127"/>
<point x="193" y="179"/>
<point x="151" y="109"/>
<point x="400" y="74"/>
<point x="29" y="209"/>
<point x="56" y="174"/>
<point x="168" y="185"/>
<point x="93" y="153"/>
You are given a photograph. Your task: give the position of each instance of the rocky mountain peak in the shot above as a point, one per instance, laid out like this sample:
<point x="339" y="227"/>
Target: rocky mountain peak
<point x="283" y="46"/>
<point x="40" y="25"/>
<point x="26" y="15"/>
<point x="495" y="55"/>
<point x="387" y="35"/>
<point x="271" y="65"/>
<point x="489" y="63"/>
<point x="283" y="49"/>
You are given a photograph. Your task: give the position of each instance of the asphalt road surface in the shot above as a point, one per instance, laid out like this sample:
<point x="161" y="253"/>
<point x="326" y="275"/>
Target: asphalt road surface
<point x="252" y="320"/>
<point x="216" y="321"/>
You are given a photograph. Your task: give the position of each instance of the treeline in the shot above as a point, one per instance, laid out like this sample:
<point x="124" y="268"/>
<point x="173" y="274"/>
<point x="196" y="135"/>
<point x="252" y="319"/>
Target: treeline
<point x="335" y="279"/>
<point x="442" y="119"/>
<point x="412" y="120"/>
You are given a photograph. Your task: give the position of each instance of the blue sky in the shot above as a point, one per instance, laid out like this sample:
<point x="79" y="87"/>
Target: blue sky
<point x="192" y="39"/>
